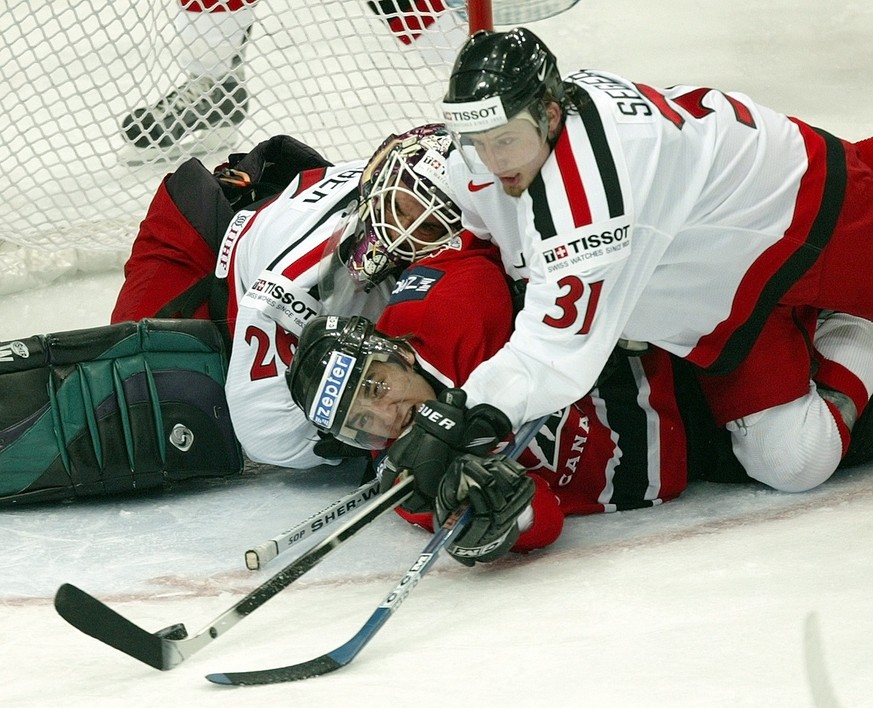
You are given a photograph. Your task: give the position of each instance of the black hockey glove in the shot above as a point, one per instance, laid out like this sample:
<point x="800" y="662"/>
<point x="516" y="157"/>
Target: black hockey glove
<point x="498" y="491"/>
<point x="441" y="430"/>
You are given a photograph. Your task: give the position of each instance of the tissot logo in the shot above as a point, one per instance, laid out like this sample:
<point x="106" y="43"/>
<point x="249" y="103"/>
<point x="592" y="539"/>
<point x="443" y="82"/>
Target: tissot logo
<point x="587" y="246"/>
<point x="473" y="187"/>
<point x="474" y="114"/>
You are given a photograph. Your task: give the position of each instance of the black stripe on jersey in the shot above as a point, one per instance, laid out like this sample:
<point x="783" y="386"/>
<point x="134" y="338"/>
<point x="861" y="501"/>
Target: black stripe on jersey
<point x="543" y="221"/>
<point x="603" y="155"/>
<point x="740" y="342"/>
<point x="628" y="420"/>
<point x="339" y="206"/>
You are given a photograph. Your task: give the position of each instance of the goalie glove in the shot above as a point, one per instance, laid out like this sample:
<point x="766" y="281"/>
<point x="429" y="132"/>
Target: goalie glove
<point x="441" y="430"/>
<point x="499" y="493"/>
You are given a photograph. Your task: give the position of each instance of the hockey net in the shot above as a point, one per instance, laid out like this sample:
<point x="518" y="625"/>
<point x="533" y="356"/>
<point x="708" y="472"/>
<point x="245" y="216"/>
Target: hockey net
<point x="337" y="74"/>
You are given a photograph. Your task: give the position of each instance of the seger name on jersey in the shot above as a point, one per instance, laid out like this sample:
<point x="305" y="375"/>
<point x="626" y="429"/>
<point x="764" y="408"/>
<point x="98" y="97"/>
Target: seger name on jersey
<point x="627" y="99"/>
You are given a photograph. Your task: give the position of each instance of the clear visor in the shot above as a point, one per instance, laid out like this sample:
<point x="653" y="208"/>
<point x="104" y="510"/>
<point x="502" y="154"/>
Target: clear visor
<point x="503" y="150"/>
<point x="349" y="271"/>
<point x="406" y="214"/>
<point x="383" y="404"/>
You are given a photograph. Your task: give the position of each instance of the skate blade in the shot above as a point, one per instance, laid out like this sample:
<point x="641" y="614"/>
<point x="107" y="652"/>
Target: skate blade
<point x="217" y="140"/>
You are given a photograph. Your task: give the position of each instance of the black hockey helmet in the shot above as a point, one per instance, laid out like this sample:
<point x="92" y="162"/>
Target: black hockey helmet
<point x="496" y="76"/>
<point x="329" y="374"/>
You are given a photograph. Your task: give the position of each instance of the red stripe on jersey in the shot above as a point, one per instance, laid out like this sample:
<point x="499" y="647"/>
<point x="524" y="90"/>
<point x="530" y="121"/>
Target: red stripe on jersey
<point x="832" y="374"/>
<point x="673" y="461"/>
<point x="573" y="186"/>
<point x="767" y="265"/>
<point x="305" y="262"/>
<point x="307" y="178"/>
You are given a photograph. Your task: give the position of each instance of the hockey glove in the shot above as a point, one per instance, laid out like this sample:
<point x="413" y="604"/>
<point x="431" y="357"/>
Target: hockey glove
<point x="441" y="430"/>
<point x="498" y="491"/>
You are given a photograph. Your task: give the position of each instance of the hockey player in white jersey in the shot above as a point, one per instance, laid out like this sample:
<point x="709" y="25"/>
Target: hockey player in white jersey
<point x="690" y="218"/>
<point x="270" y="262"/>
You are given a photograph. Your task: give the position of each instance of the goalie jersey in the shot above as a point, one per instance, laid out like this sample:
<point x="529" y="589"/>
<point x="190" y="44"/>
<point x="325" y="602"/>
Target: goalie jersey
<point x="271" y="258"/>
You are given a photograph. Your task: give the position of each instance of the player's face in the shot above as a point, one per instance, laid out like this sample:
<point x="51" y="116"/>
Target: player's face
<point x="402" y="214"/>
<point x="514" y="153"/>
<point x="390" y="393"/>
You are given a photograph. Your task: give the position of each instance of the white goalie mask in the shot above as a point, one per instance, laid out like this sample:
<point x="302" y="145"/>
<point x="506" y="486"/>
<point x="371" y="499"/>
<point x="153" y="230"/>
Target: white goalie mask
<point x="405" y="209"/>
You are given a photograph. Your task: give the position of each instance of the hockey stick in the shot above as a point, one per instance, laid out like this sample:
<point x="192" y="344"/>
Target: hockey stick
<point x="344" y="654"/>
<point x="170" y="646"/>
<point x="263" y="553"/>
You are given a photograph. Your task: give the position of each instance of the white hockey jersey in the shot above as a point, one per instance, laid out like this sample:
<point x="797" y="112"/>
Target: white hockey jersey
<point x="271" y="259"/>
<point x="676" y="217"/>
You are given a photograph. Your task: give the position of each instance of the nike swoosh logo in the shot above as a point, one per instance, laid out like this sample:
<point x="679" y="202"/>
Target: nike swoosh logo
<point x="473" y="187"/>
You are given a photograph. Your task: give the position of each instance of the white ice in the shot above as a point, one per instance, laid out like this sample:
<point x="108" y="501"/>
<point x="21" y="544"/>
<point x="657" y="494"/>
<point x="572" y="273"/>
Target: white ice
<point x="729" y="596"/>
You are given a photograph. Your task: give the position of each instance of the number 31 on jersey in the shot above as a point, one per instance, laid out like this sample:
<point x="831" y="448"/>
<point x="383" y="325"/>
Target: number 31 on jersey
<point x="576" y="298"/>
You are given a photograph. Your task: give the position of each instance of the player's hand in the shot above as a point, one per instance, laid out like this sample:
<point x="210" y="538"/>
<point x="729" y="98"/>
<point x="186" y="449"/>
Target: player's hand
<point x="498" y="491"/>
<point x="441" y="430"/>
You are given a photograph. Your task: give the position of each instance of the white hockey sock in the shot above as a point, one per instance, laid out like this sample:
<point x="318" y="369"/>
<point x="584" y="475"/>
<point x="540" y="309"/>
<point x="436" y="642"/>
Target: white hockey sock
<point x="210" y="41"/>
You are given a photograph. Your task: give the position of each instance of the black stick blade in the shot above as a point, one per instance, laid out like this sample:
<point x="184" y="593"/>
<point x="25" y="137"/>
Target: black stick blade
<point x="89" y="615"/>
<point x="308" y="669"/>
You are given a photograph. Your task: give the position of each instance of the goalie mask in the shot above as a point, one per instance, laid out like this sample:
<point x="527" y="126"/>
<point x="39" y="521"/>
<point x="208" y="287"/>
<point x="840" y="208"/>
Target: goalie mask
<point x="495" y="104"/>
<point x="355" y="383"/>
<point x="404" y="207"/>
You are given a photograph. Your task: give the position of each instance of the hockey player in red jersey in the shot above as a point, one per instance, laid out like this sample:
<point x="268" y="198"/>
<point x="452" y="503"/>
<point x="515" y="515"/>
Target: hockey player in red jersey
<point x="621" y="447"/>
<point x="242" y="251"/>
<point x="689" y="218"/>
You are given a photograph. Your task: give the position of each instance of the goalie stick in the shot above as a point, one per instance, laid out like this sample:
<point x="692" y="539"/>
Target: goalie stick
<point x="169" y="647"/>
<point x="344" y="654"/>
<point x="263" y="553"/>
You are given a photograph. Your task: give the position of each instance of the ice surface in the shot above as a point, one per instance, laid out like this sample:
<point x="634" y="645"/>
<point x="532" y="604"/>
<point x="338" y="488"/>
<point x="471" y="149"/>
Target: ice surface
<point x="705" y="601"/>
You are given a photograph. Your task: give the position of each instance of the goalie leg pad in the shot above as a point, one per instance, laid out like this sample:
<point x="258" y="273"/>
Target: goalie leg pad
<point x="113" y="409"/>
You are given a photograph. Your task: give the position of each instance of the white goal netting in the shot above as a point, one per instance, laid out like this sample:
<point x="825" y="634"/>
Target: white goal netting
<point x="336" y="74"/>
